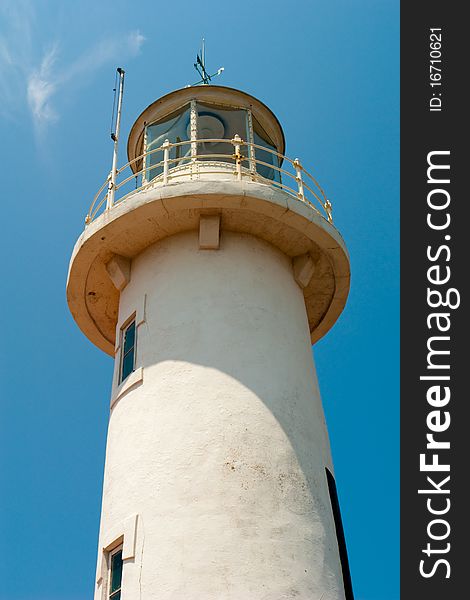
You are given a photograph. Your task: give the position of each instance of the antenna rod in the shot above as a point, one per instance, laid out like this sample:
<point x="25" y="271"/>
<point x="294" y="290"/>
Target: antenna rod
<point x="200" y="66"/>
<point x="203" y="53"/>
<point x="115" y="138"/>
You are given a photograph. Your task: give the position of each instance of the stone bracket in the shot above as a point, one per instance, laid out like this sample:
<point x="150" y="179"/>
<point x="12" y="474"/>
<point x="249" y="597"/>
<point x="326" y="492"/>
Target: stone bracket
<point x="119" y="270"/>
<point x="304" y="268"/>
<point x="209" y="232"/>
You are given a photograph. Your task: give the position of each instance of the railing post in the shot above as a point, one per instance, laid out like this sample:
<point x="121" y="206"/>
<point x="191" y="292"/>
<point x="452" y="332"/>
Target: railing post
<point x="193" y="130"/>
<point x="237" y="156"/>
<point x="329" y="211"/>
<point x="144" y="157"/>
<point x="166" y="157"/>
<point x="251" y="137"/>
<point x="298" y="178"/>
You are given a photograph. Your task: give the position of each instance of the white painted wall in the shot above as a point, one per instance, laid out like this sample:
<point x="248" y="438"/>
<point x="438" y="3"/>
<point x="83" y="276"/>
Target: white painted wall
<point x="221" y="448"/>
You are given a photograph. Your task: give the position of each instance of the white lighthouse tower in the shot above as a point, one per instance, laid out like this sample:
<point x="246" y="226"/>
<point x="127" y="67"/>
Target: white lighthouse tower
<point x="207" y="268"/>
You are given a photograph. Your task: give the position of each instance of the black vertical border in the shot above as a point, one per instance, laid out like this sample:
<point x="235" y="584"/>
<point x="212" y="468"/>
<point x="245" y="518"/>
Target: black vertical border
<point x="423" y="131"/>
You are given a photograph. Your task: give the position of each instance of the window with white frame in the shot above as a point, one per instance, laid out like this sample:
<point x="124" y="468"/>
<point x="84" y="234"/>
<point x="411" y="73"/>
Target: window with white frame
<point x="115" y="574"/>
<point x="127" y="365"/>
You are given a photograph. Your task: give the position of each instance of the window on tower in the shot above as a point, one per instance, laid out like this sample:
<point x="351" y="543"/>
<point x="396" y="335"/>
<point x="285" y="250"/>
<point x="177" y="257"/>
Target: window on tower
<point x="127" y="351"/>
<point x="115" y="574"/>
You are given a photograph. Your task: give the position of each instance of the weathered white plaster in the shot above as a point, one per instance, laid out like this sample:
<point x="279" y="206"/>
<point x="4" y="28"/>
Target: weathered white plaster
<point x="221" y="450"/>
<point x="134" y="378"/>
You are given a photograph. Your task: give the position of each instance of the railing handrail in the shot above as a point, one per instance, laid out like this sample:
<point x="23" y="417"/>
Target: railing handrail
<point x="165" y="164"/>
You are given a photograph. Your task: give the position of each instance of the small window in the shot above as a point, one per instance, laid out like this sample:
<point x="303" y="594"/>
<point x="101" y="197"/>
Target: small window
<point x="115" y="574"/>
<point x="128" y="351"/>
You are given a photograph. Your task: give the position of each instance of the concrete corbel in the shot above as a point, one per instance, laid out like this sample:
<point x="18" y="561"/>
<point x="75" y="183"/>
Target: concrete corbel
<point x="209" y="232"/>
<point x="119" y="270"/>
<point x="304" y="268"/>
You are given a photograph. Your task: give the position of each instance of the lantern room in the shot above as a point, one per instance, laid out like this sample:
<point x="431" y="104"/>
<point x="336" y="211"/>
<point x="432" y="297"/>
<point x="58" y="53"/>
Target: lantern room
<point x="202" y="129"/>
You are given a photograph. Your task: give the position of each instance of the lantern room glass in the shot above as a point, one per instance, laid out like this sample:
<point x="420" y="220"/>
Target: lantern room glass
<point x="174" y="128"/>
<point x="213" y="122"/>
<point x="221" y="122"/>
<point x="261" y="138"/>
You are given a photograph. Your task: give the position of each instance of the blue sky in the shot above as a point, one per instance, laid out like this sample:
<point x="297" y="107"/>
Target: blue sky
<point x="329" y="70"/>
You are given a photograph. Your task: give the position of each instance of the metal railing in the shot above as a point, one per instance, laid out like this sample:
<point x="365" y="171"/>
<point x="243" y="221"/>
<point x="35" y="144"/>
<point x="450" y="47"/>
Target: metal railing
<point x="146" y="171"/>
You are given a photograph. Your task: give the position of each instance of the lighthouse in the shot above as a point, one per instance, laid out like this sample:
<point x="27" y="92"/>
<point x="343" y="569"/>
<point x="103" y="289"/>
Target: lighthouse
<point x="207" y="268"/>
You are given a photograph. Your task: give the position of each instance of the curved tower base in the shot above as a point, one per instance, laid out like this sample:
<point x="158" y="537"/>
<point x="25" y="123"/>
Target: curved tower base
<point x="216" y="455"/>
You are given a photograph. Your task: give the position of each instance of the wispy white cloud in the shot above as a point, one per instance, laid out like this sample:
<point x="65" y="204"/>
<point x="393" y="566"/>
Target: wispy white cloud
<point x="135" y="40"/>
<point x="39" y="84"/>
<point x="15" y="53"/>
<point x="50" y="79"/>
<point x="104" y="52"/>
